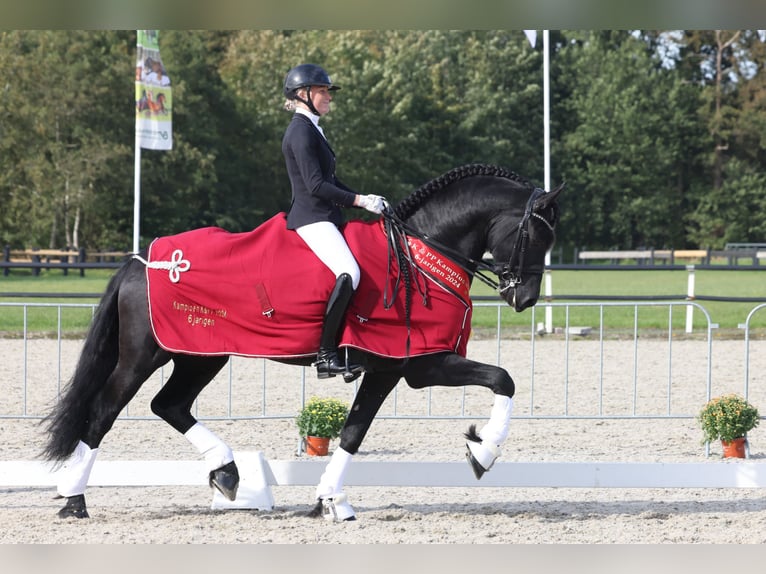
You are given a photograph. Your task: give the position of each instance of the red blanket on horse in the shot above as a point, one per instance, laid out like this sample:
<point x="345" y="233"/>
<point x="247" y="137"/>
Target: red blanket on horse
<point x="263" y="294"/>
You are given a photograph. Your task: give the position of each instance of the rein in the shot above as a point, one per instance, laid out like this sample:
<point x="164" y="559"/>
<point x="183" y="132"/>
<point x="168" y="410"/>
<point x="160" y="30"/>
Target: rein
<point x="508" y="274"/>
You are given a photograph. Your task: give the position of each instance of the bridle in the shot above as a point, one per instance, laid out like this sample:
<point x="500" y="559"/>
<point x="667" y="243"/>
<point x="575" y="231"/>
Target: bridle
<point x="509" y="274"/>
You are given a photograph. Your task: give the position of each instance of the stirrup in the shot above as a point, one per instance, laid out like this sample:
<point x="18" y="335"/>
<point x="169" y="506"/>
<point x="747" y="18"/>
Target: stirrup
<point x="350" y="372"/>
<point x="328" y="365"/>
<point x="353" y="374"/>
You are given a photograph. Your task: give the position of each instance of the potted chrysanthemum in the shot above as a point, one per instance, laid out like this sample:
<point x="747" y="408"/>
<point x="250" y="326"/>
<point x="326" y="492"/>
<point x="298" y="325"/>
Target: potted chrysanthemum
<point x="320" y="420"/>
<point x="728" y="418"/>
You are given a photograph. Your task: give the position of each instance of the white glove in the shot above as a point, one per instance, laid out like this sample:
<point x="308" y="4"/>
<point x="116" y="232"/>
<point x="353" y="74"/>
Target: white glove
<point x="373" y="203"/>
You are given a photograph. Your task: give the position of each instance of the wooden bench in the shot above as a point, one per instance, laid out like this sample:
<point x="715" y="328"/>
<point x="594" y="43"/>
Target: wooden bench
<point x="701" y="254"/>
<point x="64" y="259"/>
<point x="638" y="255"/>
<point x="652" y="256"/>
<point x="112" y="256"/>
<point x="35" y="258"/>
<point x="733" y="256"/>
<point x="47" y="253"/>
<point x="615" y="255"/>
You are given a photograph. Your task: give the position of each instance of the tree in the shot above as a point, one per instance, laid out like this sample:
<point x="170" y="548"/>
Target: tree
<point x="61" y="118"/>
<point x="726" y="64"/>
<point x="735" y="212"/>
<point x="652" y="130"/>
<point x="412" y="104"/>
<point x="631" y="124"/>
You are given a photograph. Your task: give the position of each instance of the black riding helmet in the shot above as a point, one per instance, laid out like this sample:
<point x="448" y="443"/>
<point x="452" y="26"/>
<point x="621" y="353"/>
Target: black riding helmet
<point x="305" y="76"/>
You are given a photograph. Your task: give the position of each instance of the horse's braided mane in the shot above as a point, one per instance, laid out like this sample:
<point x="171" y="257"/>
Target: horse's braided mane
<point x="417" y="198"/>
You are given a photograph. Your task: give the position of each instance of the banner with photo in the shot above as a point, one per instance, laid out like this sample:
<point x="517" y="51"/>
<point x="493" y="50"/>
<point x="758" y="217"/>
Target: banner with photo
<point x="154" y="101"/>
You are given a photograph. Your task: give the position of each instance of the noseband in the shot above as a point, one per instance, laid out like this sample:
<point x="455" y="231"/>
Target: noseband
<point x="509" y="274"/>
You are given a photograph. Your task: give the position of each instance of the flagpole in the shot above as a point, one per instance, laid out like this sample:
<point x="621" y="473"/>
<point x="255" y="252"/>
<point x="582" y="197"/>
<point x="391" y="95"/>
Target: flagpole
<point x="136" y="193"/>
<point x="154" y="105"/>
<point x="547" y="168"/>
<point x="546" y="111"/>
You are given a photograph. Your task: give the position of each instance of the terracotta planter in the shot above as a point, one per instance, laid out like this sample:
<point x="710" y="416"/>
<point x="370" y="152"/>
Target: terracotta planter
<point x="317" y="445"/>
<point x="735" y="448"/>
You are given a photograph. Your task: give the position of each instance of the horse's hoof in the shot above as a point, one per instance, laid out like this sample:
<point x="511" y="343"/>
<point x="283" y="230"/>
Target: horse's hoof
<point x="481" y="457"/>
<point x="226" y="480"/>
<point x="74" y="508"/>
<point x="337" y="509"/>
<point x="478" y="470"/>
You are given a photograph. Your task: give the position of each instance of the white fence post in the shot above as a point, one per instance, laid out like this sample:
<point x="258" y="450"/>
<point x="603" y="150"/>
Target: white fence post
<point x="548" y="295"/>
<point x="690" y="297"/>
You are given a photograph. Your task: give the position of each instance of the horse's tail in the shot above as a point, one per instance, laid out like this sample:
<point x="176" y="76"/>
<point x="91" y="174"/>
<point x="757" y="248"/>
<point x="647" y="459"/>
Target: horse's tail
<point x="68" y="418"/>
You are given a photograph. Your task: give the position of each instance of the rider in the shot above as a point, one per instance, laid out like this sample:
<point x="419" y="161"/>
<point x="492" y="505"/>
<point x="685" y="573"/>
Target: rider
<point x="317" y="196"/>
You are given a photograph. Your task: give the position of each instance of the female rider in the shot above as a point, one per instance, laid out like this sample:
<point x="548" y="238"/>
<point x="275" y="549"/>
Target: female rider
<point x="317" y="197"/>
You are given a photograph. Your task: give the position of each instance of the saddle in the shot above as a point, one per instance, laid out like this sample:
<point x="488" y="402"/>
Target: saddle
<point x="263" y="293"/>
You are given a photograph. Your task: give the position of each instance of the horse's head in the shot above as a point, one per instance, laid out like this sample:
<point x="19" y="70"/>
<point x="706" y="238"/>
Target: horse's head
<point x="475" y="208"/>
<point x="519" y="244"/>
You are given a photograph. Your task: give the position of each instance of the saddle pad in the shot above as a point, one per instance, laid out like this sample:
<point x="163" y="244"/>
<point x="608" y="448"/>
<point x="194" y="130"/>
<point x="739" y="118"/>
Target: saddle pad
<point x="263" y="293"/>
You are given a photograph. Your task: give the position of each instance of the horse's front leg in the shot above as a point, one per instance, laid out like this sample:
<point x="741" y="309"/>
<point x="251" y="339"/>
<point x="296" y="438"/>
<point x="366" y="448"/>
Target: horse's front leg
<point x="483" y="448"/>
<point x="452" y="370"/>
<point x="331" y="500"/>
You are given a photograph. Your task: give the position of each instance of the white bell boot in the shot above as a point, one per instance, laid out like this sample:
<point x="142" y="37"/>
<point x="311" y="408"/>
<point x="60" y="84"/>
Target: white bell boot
<point x="482" y="455"/>
<point x="337" y="508"/>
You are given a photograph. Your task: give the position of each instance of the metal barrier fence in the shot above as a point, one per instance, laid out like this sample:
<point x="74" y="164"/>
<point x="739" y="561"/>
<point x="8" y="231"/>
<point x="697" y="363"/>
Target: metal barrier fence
<point x="591" y="372"/>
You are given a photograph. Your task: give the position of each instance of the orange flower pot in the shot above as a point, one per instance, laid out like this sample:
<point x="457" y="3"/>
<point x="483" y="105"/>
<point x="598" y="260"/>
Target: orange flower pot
<point x="735" y="448"/>
<point x="317" y="445"/>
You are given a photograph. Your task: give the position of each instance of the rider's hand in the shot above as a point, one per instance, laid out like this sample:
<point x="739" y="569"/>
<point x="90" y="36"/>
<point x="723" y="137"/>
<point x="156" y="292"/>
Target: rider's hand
<point x="373" y="203"/>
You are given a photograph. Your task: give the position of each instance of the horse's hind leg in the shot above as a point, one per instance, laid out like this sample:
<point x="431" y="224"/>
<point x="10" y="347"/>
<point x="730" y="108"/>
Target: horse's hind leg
<point x="120" y="387"/>
<point x="174" y="403"/>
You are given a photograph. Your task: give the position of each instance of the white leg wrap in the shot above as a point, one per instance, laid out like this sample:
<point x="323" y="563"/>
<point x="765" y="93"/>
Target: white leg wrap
<point x="216" y="452"/>
<point x="74" y="474"/>
<point x="331" y="481"/>
<point x="496" y="430"/>
<point x="337" y="508"/>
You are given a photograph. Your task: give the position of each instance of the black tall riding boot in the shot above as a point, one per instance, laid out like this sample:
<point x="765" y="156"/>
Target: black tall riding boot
<point x="328" y="363"/>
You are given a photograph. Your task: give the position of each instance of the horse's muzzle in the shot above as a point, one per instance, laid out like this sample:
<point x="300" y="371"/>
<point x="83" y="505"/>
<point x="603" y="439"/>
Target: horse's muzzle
<point x="524" y="295"/>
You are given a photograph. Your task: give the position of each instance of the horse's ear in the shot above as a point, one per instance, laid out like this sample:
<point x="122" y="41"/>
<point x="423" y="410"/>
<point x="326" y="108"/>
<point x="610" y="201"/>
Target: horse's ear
<point x="547" y="199"/>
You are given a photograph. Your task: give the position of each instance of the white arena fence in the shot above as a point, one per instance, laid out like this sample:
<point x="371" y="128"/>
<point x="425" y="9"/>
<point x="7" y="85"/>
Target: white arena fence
<point x="550" y="369"/>
<point x="578" y="372"/>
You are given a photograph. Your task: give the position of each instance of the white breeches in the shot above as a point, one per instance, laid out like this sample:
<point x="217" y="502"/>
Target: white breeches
<point x="327" y="242"/>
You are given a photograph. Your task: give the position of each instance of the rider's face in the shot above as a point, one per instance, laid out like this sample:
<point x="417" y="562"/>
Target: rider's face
<point x="321" y="97"/>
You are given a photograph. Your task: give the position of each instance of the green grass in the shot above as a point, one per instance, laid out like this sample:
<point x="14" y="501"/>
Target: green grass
<point x="54" y="281"/>
<point x="74" y="319"/>
<point x="75" y="314"/>
<point x="620" y="316"/>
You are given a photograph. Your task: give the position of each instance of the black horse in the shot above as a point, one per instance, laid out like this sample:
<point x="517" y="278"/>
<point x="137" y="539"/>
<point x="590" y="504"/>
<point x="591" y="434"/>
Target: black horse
<point x="463" y="214"/>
